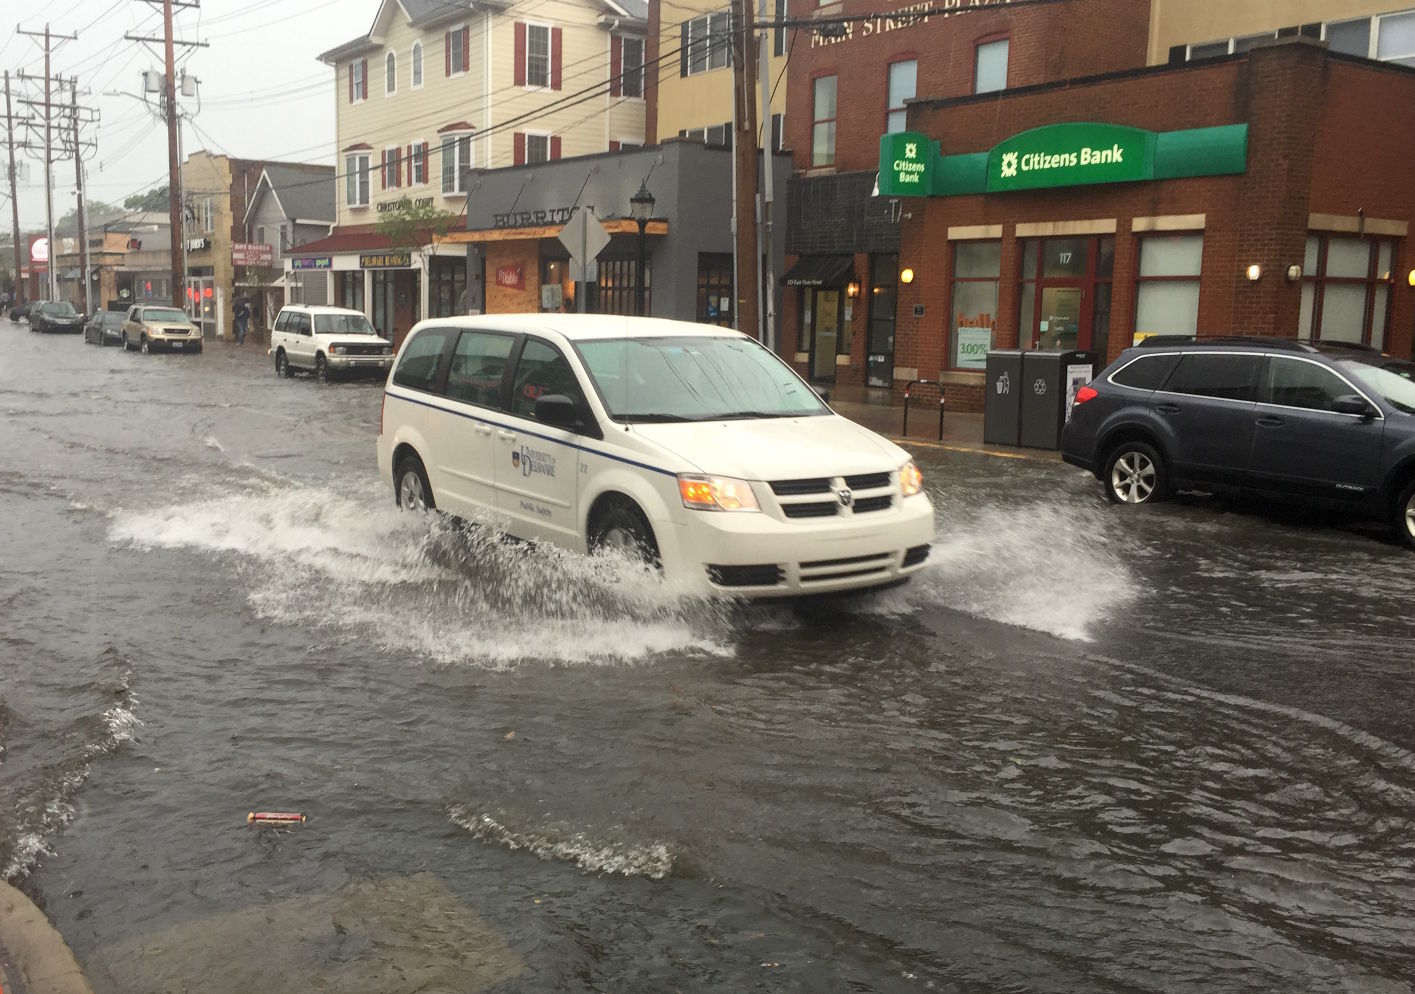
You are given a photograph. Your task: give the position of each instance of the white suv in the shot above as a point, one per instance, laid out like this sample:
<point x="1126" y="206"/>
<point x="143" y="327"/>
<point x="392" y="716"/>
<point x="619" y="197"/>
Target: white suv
<point x="326" y="341"/>
<point x="690" y="446"/>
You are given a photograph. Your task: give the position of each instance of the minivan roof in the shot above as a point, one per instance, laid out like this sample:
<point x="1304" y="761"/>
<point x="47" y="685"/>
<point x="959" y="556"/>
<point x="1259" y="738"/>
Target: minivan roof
<point x="585" y="327"/>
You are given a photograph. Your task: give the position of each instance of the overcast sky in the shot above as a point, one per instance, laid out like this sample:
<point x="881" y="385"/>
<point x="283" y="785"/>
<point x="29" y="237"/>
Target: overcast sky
<point x="264" y="95"/>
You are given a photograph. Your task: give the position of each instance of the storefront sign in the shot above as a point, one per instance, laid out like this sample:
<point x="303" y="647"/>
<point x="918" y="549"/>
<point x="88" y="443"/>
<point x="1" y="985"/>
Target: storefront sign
<point x="528" y="219"/>
<point x="903" y="17"/>
<point x="386" y="260"/>
<point x="252" y="254"/>
<point x="388" y="206"/>
<point x="512" y="277"/>
<point x="973" y="346"/>
<point x="198" y="244"/>
<point x="1062" y="155"/>
<point x="39" y="250"/>
<point x="312" y="262"/>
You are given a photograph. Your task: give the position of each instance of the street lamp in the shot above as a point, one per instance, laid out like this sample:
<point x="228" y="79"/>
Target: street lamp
<point x="641" y="209"/>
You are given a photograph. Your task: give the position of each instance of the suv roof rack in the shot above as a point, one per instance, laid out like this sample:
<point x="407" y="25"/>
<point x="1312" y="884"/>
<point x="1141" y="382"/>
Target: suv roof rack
<point x="1261" y="341"/>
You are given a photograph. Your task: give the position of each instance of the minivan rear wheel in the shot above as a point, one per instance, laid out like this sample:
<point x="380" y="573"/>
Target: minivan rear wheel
<point x="412" y="489"/>
<point x="622" y="527"/>
<point x="1135" y="474"/>
<point x="1405" y="515"/>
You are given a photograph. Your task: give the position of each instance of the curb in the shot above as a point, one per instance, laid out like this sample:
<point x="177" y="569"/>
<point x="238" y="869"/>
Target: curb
<point x="33" y="957"/>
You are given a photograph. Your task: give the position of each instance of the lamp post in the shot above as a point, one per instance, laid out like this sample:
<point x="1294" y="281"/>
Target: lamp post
<point x="641" y="209"/>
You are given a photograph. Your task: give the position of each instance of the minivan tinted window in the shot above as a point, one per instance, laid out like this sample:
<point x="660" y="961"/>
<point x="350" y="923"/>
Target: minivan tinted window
<point x="418" y="365"/>
<point x="1227" y="376"/>
<point x="1147" y="372"/>
<point x="478" y="365"/>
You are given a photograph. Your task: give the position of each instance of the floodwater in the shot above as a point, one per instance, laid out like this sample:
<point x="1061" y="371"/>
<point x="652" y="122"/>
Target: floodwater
<point x="1086" y="750"/>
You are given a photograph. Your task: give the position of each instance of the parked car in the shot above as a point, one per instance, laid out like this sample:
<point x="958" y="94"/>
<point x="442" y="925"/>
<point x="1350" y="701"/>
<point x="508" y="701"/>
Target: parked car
<point x="1319" y="423"/>
<point x="55" y="315"/>
<point x="104" y="328"/>
<point x="151" y="327"/>
<point x="327" y="341"/>
<point x="20" y="312"/>
<point x="689" y="446"/>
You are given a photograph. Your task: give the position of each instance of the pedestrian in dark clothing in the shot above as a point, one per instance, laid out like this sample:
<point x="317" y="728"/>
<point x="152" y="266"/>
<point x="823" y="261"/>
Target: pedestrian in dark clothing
<point x="242" y="306"/>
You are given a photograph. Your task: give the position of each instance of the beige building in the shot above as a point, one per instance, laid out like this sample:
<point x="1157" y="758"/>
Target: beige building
<point x="1183" y="30"/>
<point x="689" y="42"/>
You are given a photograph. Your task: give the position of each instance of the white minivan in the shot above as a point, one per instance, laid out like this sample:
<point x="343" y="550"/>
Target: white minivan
<point x="690" y="446"/>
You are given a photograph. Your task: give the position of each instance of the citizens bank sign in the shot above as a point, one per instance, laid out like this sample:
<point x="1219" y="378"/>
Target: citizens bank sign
<point x="1059" y="155"/>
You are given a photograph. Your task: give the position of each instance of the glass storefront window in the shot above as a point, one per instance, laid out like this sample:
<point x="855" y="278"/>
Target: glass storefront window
<point x="977" y="268"/>
<point x="1346" y="288"/>
<point x="715" y="288"/>
<point x="1167" y="288"/>
<point x="879" y="344"/>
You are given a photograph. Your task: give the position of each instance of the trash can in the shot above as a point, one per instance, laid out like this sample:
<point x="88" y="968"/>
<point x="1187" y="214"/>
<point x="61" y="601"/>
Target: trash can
<point x="1049" y="384"/>
<point x="1002" y="397"/>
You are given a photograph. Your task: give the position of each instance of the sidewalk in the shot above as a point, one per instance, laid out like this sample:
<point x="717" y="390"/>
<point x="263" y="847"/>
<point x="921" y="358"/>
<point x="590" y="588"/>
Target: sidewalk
<point x="961" y="432"/>
<point x="33" y="957"/>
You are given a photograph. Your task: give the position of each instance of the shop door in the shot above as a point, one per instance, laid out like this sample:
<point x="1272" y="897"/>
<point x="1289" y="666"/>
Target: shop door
<point x="825" y="334"/>
<point x="384" y="317"/>
<point x="1059" y="321"/>
<point x="1065" y="291"/>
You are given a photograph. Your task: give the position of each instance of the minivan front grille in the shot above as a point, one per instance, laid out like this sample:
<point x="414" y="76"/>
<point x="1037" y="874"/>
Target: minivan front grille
<point x="863" y="505"/>
<point x="764" y="575"/>
<point x="814" y="509"/>
<point x="799" y="488"/>
<point x="827" y="570"/>
<point x="916" y="555"/>
<point x="872" y="481"/>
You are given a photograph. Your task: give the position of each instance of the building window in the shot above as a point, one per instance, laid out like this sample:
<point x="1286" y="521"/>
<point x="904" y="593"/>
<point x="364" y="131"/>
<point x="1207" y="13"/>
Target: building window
<point x="417" y="64"/>
<point x="633" y="71"/>
<point x="456" y="54"/>
<point x="208" y="215"/>
<point x="417" y="164"/>
<point x="778" y="131"/>
<point x="349" y="290"/>
<point x="456" y="160"/>
<point x="879" y="343"/>
<point x="391" y="169"/>
<point x="1167" y="287"/>
<point x="903" y="79"/>
<point x="1395" y="39"/>
<point x="778" y="45"/>
<point x="1066" y="293"/>
<point x="823" y="122"/>
<point x="538" y="150"/>
<point x="990" y="66"/>
<point x="706" y="44"/>
<point x="715" y="288"/>
<point x="1346" y="289"/>
<point x="356" y="180"/>
<point x="390" y="75"/>
<point x="618" y="285"/>
<point x="977" y="268"/>
<point x="284" y="238"/>
<point x="1350" y="37"/>
<point x="358" y="84"/>
<point x="447" y="279"/>
<point x="537" y="55"/>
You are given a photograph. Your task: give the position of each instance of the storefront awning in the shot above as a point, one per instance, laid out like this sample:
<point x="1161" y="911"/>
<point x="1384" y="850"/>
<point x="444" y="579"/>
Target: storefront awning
<point x="819" y="270"/>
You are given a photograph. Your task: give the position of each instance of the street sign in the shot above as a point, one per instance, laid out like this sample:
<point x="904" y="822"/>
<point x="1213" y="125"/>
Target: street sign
<point x="585" y="239"/>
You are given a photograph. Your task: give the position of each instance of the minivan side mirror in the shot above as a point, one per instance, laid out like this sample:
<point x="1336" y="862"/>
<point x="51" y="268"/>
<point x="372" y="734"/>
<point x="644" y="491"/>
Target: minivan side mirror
<point x="1353" y="404"/>
<point x="558" y="410"/>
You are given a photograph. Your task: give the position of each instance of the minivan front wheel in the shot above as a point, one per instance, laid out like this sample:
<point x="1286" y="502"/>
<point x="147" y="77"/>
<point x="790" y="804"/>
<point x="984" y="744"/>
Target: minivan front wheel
<point x="1405" y="515"/>
<point x="1135" y="474"/>
<point x="412" y="489"/>
<point x="622" y="527"/>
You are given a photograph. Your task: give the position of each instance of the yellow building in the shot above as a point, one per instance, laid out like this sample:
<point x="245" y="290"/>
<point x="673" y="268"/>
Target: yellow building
<point x="1183" y="30"/>
<point x="689" y="42"/>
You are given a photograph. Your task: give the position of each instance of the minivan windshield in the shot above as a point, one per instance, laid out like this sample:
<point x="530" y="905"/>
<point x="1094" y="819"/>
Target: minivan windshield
<point x="695" y="379"/>
<point x="1393" y="382"/>
<point x="342" y="324"/>
<point x="163" y="314"/>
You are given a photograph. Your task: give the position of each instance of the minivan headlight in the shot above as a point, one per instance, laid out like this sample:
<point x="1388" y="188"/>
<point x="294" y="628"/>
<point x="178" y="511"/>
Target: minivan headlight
<point x="911" y="481"/>
<point x="716" y="493"/>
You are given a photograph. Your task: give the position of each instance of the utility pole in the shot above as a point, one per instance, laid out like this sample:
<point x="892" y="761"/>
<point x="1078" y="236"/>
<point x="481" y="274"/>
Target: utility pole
<point x="174" y="162"/>
<point x="744" y="154"/>
<point x="769" y="337"/>
<point x="79" y="179"/>
<point x="14" y="198"/>
<point x="48" y="149"/>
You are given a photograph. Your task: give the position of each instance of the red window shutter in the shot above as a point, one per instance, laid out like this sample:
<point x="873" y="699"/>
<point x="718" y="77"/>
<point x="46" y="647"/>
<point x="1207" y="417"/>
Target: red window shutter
<point x="466" y="49"/>
<point x="397" y="167"/>
<point x="424" y="162"/>
<point x="447" y="54"/>
<point x="613" y="145"/>
<point x="554" y="147"/>
<point x="520" y="79"/>
<point x="412" y="167"/>
<point x="351" y="82"/>
<point x="383" y="170"/>
<point x="555" y="58"/>
<point x="363" y="81"/>
<point x="616" y="65"/>
<point x="518" y="148"/>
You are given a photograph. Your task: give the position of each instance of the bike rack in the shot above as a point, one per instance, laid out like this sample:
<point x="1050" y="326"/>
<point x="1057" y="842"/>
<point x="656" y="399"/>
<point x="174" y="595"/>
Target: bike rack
<point x="908" y="389"/>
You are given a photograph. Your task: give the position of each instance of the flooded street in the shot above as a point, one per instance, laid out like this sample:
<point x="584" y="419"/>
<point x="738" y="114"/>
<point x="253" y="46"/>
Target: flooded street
<point x="1085" y="750"/>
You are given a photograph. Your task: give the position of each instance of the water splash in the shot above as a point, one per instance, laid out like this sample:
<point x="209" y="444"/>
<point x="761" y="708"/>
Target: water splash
<point x="653" y="860"/>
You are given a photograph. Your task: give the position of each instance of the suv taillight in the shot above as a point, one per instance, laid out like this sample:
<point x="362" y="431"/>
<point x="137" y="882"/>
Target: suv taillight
<point x="1085" y="394"/>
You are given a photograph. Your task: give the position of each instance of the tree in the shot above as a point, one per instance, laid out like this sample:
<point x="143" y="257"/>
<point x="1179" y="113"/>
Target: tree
<point x="156" y="199"/>
<point x="96" y="212"/>
<point x="410" y="226"/>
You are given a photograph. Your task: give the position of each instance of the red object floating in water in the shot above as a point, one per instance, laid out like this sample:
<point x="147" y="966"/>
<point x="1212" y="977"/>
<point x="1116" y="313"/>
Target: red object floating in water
<point x="275" y="818"/>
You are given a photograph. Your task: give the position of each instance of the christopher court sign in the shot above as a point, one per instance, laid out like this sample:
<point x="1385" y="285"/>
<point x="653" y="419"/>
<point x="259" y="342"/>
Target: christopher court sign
<point x="1059" y="155"/>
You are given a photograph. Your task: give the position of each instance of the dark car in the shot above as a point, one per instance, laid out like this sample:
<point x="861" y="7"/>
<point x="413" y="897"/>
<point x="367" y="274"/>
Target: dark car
<point x="1308" y="423"/>
<point x="55" y="315"/>
<point x="104" y="328"/>
<point x="20" y="312"/>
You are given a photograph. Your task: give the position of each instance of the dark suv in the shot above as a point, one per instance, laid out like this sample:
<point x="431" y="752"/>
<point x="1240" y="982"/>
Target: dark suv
<point x="1319" y="423"/>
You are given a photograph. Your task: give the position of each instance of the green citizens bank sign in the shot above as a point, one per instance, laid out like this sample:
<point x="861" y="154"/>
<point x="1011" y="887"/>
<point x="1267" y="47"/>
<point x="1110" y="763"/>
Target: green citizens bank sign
<point x="1060" y="155"/>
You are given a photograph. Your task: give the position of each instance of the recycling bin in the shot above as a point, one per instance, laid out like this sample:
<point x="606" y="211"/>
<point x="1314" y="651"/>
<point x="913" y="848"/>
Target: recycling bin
<point x="1002" y="397"/>
<point x="1049" y="384"/>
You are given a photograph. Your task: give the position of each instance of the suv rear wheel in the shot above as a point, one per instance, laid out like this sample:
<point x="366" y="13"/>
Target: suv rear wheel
<point x="1135" y="474"/>
<point x="1405" y="515"/>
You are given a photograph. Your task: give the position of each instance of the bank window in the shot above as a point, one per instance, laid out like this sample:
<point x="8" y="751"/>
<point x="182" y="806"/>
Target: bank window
<point x="1346" y="287"/>
<point x="356" y="180"/>
<point x="390" y="75"/>
<point x="1066" y="293"/>
<point x="456" y="161"/>
<point x="1395" y="39"/>
<point x="715" y="288"/>
<point x="823" y="122"/>
<point x="417" y="64"/>
<point x="706" y="44"/>
<point x="538" y="55"/>
<point x="1167" y="284"/>
<point x="977" y="267"/>
<point x="990" y="65"/>
<point x="903" y="80"/>
<point x="632" y="80"/>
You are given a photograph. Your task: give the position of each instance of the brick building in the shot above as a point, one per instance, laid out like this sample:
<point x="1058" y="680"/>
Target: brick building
<point x="1259" y="191"/>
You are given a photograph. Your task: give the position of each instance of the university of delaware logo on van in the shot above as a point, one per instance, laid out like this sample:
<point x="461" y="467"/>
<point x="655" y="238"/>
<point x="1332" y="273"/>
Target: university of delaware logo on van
<point x="533" y="461"/>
